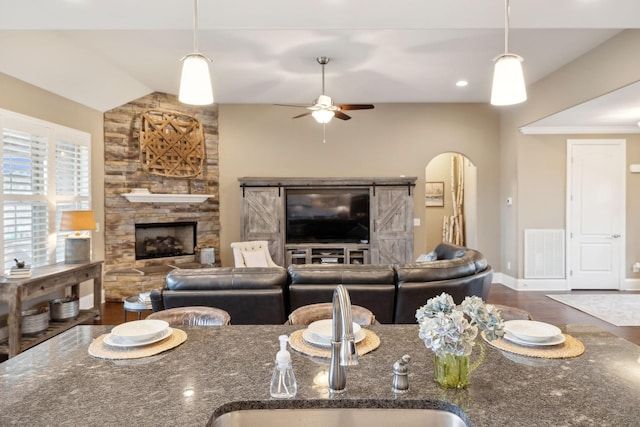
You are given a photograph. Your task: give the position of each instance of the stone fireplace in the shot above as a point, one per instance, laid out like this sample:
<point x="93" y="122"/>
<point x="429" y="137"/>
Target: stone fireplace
<point x="126" y="272"/>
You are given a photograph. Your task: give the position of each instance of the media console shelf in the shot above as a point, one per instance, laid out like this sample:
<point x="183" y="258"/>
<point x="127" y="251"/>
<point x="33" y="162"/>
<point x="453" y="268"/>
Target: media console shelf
<point x="263" y="216"/>
<point x="44" y="281"/>
<point x="327" y="253"/>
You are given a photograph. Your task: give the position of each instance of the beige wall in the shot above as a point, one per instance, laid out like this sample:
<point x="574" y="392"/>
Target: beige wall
<point x="23" y="98"/>
<point x="533" y="167"/>
<point x="391" y="140"/>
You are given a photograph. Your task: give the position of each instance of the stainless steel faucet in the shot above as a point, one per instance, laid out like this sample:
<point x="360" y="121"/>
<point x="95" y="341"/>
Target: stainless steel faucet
<point x="343" y="345"/>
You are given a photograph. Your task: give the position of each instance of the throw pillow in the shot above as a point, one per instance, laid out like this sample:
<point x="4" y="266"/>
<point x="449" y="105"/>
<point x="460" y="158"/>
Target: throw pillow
<point x="431" y="256"/>
<point x="255" y="259"/>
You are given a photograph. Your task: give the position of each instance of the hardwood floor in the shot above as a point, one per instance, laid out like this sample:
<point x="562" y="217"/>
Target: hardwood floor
<point x="537" y="303"/>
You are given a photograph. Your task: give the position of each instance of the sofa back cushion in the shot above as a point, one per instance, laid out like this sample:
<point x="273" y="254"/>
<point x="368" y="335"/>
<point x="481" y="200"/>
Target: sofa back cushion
<point x="465" y="263"/>
<point x="341" y="274"/>
<point x="370" y="286"/>
<point x="412" y="295"/>
<point x="227" y="278"/>
<point x="251" y="296"/>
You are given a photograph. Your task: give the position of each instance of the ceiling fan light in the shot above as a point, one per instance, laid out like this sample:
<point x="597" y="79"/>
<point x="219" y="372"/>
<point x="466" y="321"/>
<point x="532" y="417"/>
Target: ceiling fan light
<point x="323" y="116"/>
<point x="324" y="100"/>
<point x="508" y="81"/>
<point x="195" y="83"/>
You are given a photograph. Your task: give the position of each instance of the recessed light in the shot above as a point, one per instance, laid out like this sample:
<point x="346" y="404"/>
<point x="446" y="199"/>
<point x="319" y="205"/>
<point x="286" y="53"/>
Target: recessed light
<point x="462" y="83"/>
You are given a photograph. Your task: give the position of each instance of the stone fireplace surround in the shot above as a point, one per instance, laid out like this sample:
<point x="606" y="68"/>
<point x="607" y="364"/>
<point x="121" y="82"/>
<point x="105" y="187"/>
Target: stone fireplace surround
<point x="124" y="275"/>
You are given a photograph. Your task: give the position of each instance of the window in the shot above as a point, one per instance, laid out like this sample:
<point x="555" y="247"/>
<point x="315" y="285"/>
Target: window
<point x="45" y="170"/>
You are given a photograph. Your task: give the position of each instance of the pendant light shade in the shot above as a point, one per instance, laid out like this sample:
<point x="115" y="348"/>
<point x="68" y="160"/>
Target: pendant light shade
<point x="323" y="116"/>
<point x="195" y="82"/>
<point x="508" y="79"/>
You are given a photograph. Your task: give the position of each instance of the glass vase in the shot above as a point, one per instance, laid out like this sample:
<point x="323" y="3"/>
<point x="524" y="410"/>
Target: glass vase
<point x="453" y="371"/>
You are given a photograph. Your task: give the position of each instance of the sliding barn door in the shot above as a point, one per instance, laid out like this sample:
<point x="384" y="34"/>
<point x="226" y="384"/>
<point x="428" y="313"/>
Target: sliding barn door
<point x="392" y="219"/>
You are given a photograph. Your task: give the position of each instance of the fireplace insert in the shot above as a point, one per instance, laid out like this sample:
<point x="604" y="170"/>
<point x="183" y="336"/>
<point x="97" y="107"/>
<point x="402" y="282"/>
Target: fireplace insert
<point x="166" y="239"/>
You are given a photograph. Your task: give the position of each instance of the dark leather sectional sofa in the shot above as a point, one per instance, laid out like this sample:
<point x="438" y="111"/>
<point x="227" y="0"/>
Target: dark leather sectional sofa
<point x="266" y="295"/>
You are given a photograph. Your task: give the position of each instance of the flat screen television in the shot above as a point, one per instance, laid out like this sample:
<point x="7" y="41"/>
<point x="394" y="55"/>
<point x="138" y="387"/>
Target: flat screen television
<point x="327" y="215"/>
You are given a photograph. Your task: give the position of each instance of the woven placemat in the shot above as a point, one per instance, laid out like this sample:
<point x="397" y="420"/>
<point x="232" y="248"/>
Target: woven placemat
<point x="571" y="347"/>
<point x="370" y="342"/>
<point x="99" y="349"/>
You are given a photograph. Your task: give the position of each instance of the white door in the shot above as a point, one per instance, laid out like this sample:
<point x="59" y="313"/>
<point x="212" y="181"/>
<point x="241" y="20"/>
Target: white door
<point x="596" y="213"/>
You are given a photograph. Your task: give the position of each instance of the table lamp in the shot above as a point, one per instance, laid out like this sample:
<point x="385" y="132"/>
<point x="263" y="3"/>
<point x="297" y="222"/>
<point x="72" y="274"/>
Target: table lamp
<point x="77" y="246"/>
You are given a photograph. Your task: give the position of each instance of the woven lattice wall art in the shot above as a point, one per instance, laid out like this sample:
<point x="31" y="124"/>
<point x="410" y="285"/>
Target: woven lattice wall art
<point x="171" y="144"/>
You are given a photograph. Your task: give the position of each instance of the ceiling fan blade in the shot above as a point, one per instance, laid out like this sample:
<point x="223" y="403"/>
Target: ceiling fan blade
<point x="356" y="107"/>
<point x="290" y="105"/>
<point x="342" y="116"/>
<point x="301" y="115"/>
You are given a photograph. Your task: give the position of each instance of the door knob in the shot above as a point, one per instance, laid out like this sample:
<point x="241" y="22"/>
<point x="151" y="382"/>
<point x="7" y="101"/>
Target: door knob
<point x="615" y="236"/>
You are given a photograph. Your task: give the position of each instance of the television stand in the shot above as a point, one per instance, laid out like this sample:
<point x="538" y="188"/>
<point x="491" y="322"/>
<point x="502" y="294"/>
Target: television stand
<point x="327" y="253"/>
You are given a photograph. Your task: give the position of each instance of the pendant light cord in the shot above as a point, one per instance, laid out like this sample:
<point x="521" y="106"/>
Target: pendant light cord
<point x="506" y="26"/>
<point x="195" y="25"/>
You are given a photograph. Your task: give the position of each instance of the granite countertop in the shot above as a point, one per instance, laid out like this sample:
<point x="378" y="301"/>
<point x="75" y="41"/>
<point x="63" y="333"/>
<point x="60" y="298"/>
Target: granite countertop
<point x="222" y="368"/>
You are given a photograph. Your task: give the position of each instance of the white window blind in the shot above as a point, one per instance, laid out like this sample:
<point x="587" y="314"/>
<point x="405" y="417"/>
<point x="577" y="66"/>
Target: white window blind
<point x="45" y="170"/>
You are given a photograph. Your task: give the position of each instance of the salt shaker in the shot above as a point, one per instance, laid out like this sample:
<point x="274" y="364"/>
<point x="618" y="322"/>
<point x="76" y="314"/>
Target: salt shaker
<point x="400" y="382"/>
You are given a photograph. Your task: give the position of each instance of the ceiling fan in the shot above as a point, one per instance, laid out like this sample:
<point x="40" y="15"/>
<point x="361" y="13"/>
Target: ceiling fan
<point x="323" y="108"/>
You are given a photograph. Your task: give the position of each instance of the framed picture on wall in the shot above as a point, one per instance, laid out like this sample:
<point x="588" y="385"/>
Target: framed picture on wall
<point x="434" y="194"/>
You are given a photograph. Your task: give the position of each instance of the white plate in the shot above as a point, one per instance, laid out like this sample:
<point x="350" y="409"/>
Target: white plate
<point x="531" y="331"/>
<point x="320" y="341"/>
<point x="140" y="330"/>
<point x="117" y="341"/>
<point x="324" y="328"/>
<point x="559" y="339"/>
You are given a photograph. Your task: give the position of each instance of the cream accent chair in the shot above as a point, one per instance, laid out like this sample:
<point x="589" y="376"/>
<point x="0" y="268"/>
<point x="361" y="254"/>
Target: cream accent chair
<point x="252" y="254"/>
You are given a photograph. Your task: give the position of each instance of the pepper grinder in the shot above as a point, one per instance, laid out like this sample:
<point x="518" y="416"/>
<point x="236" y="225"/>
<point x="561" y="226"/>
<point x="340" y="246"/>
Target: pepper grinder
<point x="400" y="382"/>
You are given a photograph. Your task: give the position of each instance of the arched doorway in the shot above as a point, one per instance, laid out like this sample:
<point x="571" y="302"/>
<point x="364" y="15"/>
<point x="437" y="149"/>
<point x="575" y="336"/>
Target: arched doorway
<point x="451" y="201"/>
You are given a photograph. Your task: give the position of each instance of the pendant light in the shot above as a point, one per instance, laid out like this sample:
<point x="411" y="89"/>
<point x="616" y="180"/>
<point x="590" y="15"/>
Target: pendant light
<point x="508" y="80"/>
<point x="195" y="83"/>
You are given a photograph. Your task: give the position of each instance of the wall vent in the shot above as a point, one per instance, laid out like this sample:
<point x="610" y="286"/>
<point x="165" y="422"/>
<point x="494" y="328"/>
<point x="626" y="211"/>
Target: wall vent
<point x="543" y="254"/>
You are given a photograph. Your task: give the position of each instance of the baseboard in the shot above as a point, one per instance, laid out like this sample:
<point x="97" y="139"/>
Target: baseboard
<point x="631" y="285"/>
<point x="505" y="279"/>
<point x="550" y="284"/>
<point x="530" y="284"/>
<point x="86" y="302"/>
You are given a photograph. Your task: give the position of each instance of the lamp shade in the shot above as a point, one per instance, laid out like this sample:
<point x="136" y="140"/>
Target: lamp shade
<point x="323" y="116"/>
<point x="195" y="83"/>
<point x="508" y="81"/>
<point x="77" y="220"/>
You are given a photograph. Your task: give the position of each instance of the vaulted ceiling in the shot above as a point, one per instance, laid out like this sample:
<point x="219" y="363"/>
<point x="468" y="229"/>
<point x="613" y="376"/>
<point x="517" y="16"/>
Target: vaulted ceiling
<point x="105" y="53"/>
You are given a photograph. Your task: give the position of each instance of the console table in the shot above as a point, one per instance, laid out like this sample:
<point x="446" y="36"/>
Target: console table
<point x="46" y="280"/>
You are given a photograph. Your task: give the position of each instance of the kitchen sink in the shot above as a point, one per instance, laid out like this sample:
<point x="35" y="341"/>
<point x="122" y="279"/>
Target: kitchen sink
<point x="349" y="417"/>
